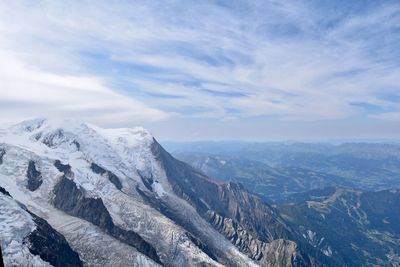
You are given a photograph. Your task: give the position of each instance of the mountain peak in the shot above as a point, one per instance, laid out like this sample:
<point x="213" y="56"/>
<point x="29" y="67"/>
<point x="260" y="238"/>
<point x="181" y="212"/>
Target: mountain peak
<point x="29" y="125"/>
<point x="72" y="129"/>
<point x="72" y="124"/>
<point x="46" y="123"/>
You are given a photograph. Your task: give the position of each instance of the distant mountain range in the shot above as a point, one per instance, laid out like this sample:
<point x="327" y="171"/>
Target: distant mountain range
<point x="359" y="228"/>
<point x="273" y="184"/>
<point x="330" y="193"/>
<point x="369" y="166"/>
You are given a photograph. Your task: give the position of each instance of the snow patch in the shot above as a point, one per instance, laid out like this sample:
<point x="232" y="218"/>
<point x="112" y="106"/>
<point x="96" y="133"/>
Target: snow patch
<point x="158" y="188"/>
<point x="327" y="251"/>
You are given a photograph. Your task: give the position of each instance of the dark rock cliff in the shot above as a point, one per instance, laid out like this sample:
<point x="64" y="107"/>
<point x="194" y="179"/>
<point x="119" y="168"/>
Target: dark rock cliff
<point x="2" y="153"/>
<point x="111" y="176"/>
<point x="65" y="168"/>
<point x="4" y="191"/>
<point x="34" y="177"/>
<point x="51" y="246"/>
<point x="71" y="199"/>
<point x="47" y="243"/>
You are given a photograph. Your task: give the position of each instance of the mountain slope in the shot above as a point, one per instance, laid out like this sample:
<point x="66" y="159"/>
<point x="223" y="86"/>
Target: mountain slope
<point x="246" y="220"/>
<point x="367" y="166"/>
<point x="29" y="240"/>
<point x="360" y="228"/>
<point x="274" y="184"/>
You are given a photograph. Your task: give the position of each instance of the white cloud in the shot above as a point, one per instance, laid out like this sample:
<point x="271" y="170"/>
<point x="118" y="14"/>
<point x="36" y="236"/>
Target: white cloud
<point x="26" y="92"/>
<point x="275" y="54"/>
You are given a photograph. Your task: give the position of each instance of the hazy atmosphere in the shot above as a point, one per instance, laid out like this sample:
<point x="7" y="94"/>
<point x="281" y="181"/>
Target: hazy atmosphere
<point x="199" y="70"/>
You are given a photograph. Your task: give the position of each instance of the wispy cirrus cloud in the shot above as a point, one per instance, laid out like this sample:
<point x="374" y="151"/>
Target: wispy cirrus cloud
<point x="285" y="60"/>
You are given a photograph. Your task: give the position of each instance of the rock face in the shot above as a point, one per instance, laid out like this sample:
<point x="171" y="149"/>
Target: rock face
<point x="69" y="198"/>
<point x="65" y="168"/>
<point x="51" y="246"/>
<point x="1" y="257"/>
<point x="2" y="153"/>
<point x="4" y="192"/>
<point x="34" y="177"/>
<point x="282" y="252"/>
<point x="111" y="176"/>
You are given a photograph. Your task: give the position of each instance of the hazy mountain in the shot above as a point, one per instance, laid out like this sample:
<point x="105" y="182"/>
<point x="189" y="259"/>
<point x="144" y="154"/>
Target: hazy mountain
<point x="369" y="166"/>
<point x="274" y="184"/>
<point x="360" y="228"/>
<point x="353" y="226"/>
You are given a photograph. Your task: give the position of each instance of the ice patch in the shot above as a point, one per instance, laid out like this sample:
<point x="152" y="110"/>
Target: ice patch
<point x="327" y="251"/>
<point x="158" y="188"/>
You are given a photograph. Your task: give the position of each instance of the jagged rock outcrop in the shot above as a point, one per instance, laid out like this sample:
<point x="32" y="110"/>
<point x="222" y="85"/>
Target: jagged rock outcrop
<point x="202" y="246"/>
<point x="2" y="153"/>
<point x="53" y="138"/>
<point x="65" y="168"/>
<point x="147" y="180"/>
<point x="35" y="179"/>
<point x="238" y="236"/>
<point x="284" y="253"/>
<point x="51" y="246"/>
<point x="4" y="191"/>
<point x="110" y="175"/>
<point x="1" y="257"/>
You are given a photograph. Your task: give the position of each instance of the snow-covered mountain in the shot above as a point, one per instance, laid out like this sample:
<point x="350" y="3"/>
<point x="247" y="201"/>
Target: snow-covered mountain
<point x="115" y="197"/>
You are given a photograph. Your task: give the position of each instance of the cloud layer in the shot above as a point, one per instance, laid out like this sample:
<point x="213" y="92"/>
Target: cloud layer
<point x="219" y="60"/>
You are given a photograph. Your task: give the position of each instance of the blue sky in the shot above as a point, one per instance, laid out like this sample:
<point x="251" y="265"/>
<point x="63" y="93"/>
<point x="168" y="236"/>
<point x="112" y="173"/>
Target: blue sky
<point x="189" y="70"/>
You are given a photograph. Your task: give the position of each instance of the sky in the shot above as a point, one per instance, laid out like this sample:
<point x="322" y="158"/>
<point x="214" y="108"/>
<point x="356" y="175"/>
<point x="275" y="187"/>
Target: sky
<point x="206" y="70"/>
